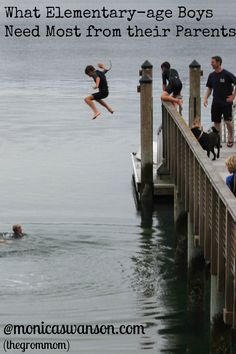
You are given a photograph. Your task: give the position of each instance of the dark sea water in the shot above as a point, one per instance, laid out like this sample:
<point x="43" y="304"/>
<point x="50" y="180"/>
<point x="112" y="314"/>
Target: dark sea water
<point x="88" y="257"/>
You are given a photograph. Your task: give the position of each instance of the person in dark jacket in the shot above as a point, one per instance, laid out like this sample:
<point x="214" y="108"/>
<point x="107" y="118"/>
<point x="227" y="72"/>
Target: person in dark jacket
<point x="101" y="84"/>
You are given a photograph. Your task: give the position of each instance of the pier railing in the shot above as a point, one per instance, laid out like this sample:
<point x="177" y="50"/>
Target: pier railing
<point x="211" y="205"/>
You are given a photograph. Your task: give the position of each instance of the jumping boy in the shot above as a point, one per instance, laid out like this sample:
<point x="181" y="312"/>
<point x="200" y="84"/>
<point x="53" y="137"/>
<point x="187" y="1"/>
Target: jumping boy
<point x="100" y="84"/>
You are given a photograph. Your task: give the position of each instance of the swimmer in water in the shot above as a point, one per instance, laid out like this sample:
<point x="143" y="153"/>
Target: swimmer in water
<point x="102" y="86"/>
<point x="16" y="234"/>
<point x="17" y="231"/>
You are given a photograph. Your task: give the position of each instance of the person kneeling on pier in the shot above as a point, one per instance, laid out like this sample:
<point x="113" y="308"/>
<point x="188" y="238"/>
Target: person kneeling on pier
<point x="231" y="179"/>
<point x="172" y="85"/>
<point x="100" y="84"/>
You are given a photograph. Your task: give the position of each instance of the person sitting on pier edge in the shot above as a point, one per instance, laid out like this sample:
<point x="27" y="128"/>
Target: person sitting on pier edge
<point x="100" y="84"/>
<point x="221" y="82"/>
<point x="172" y="90"/>
<point x="231" y="179"/>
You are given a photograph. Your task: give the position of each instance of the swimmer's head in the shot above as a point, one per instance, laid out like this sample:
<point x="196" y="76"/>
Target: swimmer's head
<point x="89" y="70"/>
<point x="17" y="229"/>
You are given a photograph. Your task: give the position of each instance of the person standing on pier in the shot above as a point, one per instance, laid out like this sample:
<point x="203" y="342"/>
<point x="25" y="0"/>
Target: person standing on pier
<point x="172" y="85"/>
<point x="102" y="86"/>
<point x="221" y="82"/>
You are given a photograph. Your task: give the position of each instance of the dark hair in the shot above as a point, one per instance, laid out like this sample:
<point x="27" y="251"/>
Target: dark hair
<point x="89" y="69"/>
<point x="165" y="65"/>
<point x="217" y="58"/>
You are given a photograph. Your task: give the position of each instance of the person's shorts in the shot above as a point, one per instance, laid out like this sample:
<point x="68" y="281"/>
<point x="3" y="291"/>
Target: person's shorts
<point x="217" y="111"/>
<point x="175" y="87"/>
<point x="100" y="95"/>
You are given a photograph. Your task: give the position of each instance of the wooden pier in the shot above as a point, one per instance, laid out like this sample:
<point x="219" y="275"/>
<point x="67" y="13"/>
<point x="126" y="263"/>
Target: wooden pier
<point x="199" y="188"/>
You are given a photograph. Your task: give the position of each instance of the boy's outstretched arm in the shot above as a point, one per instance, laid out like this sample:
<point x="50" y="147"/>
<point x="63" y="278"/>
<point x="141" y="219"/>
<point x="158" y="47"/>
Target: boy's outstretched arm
<point x="103" y="66"/>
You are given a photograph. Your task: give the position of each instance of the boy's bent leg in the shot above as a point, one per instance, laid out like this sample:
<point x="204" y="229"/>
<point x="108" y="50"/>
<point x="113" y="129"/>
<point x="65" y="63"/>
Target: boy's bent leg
<point x="91" y="104"/>
<point x="167" y="97"/>
<point x="104" y="104"/>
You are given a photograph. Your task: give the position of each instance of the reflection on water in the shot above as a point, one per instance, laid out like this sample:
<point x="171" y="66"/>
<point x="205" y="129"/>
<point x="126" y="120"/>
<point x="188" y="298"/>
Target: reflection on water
<point x="99" y="274"/>
<point x="156" y="283"/>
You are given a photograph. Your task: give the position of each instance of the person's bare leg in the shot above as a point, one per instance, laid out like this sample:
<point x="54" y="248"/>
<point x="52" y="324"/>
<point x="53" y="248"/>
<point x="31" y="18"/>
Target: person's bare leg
<point x="175" y="101"/>
<point x="230" y="128"/>
<point x="104" y="104"/>
<point x="218" y="127"/>
<point x="91" y="104"/>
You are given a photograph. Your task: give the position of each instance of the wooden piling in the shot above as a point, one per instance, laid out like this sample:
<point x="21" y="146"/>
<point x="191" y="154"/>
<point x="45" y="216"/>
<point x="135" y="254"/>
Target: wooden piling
<point x="146" y="134"/>
<point x="194" y="91"/>
<point x="190" y="241"/>
<point x="147" y="69"/>
<point x="181" y="224"/>
<point x="217" y="300"/>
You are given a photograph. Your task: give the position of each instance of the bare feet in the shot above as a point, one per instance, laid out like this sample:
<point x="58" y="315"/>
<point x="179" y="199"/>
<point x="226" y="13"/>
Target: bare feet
<point x="230" y="143"/>
<point x="111" y="110"/>
<point x="96" y="115"/>
<point x="180" y="102"/>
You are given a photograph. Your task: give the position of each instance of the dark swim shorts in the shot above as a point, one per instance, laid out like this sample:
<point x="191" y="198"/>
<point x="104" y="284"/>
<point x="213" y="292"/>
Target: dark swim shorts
<point x="100" y="95"/>
<point x="174" y="86"/>
<point x="217" y="111"/>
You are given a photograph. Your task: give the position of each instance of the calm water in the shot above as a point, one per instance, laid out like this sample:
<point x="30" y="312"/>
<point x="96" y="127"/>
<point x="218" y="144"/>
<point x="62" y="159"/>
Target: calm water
<point x="88" y="258"/>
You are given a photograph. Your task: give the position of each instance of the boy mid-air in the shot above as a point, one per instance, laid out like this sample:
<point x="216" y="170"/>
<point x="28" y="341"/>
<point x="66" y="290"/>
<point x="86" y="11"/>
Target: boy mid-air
<point x="102" y="86"/>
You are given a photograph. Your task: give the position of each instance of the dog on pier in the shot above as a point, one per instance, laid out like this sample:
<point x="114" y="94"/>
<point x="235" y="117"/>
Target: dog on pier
<point x="208" y="141"/>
